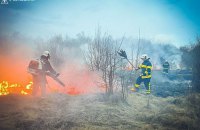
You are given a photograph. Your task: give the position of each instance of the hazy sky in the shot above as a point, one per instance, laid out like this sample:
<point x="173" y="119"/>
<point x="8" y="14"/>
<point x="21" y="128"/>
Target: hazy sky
<point x="174" y="21"/>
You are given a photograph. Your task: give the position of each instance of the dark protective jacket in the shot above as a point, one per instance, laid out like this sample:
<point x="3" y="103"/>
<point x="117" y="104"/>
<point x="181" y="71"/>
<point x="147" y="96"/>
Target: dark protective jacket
<point x="146" y="67"/>
<point x="166" y="65"/>
<point x="46" y="66"/>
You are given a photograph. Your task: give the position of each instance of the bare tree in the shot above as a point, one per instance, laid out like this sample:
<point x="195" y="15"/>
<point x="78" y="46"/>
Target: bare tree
<point x="124" y="76"/>
<point x="102" y="57"/>
<point x="139" y="49"/>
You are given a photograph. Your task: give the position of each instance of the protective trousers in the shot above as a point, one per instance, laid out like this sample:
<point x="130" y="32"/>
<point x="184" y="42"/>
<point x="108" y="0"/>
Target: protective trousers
<point x="166" y="70"/>
<point x="39" y="81"/>
<point x="146" y="83"/>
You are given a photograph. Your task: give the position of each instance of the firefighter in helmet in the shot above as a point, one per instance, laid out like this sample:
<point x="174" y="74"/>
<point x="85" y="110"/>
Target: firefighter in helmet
<point x="145" y="77"/>
<point x="166" y="67"/>
<point x="39" y="70"/>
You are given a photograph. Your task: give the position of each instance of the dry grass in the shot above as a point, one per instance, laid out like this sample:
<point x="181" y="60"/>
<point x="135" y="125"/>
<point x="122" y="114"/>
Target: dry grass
<point x="89" y="112"/>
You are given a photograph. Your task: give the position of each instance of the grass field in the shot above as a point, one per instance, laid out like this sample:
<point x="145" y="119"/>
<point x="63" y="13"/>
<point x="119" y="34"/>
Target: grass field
<point x="96" y="112"/>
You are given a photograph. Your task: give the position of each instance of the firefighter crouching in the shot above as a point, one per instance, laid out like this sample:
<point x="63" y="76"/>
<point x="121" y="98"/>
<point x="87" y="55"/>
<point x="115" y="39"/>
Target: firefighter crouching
<point x="39" y="68"/>
<point x="145" y="77"/>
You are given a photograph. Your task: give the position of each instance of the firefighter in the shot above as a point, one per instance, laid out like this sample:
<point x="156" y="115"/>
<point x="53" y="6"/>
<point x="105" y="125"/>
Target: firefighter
<point x="166" y="67"/>
<point x="145" y="77"/>
<point x="39" y="69"/>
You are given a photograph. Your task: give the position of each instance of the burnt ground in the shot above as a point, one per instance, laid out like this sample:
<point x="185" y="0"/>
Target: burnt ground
<point x="89" y="112"/>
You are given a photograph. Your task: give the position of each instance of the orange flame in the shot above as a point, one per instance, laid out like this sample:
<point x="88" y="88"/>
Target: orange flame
<point x="73" y="91"/>
<point x="7" y="88"/>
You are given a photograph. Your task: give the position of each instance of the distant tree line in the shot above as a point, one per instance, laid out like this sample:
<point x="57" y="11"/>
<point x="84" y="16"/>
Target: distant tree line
<point x="190" y="58"/>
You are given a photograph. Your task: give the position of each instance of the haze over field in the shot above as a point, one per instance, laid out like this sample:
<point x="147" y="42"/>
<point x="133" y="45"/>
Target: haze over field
<point x="96" y="47"/>
<point x="169" y="21"/>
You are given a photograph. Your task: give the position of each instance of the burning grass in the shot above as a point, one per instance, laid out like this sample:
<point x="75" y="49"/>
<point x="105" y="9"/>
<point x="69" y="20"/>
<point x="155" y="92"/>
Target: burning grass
<point x="61" y="111"/>
<point x="8" y="88"/>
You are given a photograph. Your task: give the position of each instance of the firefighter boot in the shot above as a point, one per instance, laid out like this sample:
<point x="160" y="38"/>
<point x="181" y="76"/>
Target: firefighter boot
<point x="134" y="89"/>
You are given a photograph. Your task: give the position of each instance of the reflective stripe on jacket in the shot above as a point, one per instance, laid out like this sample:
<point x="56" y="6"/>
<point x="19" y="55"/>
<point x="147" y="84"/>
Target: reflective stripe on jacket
<point x="146" y="67"/>
<point x="166" y="65"/>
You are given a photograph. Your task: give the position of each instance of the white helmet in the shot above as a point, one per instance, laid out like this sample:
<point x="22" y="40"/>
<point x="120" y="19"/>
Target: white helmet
<point x="46" y="53"/>
<point x="144" y="57"/>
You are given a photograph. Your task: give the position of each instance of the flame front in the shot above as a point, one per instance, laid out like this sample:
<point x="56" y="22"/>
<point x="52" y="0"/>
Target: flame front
<point x="73" y="91"/>
<point x="8" y="88"/>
